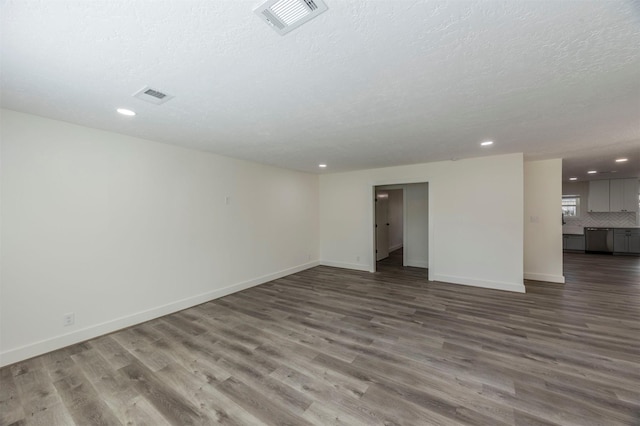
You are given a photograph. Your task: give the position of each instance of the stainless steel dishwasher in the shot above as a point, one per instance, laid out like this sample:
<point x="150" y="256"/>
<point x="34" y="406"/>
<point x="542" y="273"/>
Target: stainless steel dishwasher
<point x="598" y="240"/>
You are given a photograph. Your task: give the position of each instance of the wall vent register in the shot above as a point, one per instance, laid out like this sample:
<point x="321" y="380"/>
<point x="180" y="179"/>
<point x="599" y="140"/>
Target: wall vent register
<point x="286" y="15"/>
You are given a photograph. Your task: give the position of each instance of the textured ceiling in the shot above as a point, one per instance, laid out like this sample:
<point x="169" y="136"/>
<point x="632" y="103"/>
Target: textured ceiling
<point x="366" y="84"/>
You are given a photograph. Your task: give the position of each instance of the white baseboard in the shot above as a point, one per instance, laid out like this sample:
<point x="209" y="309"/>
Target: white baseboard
<point x="343" y="265"/>
<point x="417" y="263"/>
<point x="43" y="346"/>
<point x="396" y="247"/>
<point x="495" y="285"/>
<point x="544" y="277"/>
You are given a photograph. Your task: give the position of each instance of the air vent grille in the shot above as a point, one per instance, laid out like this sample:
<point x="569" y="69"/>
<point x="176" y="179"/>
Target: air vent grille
<point x="290" y="11"/>
<point x="286" y="15"/>
<point x="311" y="4"/>
<point x="151" y="95"/>
<point x="272" y="20"/>
<point x="155" y="93"/>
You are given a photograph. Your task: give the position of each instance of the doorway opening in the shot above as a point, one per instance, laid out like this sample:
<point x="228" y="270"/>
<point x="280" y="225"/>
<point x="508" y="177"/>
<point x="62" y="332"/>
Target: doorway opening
<point x="401" y="226"/>
<point x="389" y="228"/>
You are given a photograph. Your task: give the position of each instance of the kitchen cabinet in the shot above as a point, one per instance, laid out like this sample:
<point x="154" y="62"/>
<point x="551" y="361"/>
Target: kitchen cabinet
<point x="623" y="195"/>
<point x="598" y="196"/>
<point x="573" y="242"/>
<point x="626" y="241"/>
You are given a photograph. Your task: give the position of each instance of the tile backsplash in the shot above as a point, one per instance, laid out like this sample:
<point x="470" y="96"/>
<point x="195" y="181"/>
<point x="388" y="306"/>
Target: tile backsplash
<point x="614" y="220"/>
<point x="596" y="220"/>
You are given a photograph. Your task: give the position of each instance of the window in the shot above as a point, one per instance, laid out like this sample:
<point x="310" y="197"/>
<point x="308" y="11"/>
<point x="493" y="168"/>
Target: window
<point x="570" y="205"/>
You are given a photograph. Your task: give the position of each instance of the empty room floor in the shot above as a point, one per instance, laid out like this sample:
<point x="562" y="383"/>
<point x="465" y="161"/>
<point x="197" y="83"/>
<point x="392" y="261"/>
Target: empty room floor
<point x="332" y="346"/>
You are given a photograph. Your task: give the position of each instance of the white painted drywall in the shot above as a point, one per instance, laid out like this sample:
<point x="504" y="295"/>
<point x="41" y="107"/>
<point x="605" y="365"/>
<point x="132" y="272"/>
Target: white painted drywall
<point x="543" y="221"/>
<point x="475" y="218"/>
<point x="120" y="230"/>
<point x="417" y="243"/>
<point x="355" y="88"/>
<point x="396" y="222"/>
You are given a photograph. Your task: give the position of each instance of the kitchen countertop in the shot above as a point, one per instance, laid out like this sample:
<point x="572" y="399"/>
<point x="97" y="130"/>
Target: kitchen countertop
<point x="579" y="230"/>
<point x="612" y="227"/>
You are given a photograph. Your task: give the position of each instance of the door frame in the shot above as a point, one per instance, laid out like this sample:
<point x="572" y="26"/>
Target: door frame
<point x="404" y="227"/>
<point x="382" y="226"/>
<point x="372" y="219"/>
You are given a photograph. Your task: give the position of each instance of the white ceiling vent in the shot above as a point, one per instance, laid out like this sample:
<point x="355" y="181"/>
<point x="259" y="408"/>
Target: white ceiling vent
<point x="286" y="15"/>
<point x="152" y="95"/>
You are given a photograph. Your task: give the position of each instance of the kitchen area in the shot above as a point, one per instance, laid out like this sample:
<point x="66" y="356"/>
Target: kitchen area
<point x="601" y="216"/>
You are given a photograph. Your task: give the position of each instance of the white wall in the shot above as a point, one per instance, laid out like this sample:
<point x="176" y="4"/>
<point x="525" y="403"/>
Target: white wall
<point x="396" y="220"/>
<point x="120" y="230"/>
<point x="417" y="244"/>
<point x="543" y="221"/>
<point x="475" y="218"/>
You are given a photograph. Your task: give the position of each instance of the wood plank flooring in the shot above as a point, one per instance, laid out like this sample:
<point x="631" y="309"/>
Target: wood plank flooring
<point x="328" y="346"/>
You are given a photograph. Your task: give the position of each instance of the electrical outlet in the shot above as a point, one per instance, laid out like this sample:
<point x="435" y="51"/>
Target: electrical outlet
<point x="68" y="319"/>
<point x="309" y="257"/>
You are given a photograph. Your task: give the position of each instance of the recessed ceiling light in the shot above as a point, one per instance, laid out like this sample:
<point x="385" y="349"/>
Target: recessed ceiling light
<point x="322" y="166"/>
<point x="573" y="178"/>
<point x="125" y="111"/>
<point x="621" y="160"/>
<point x="486" y="143"/>
<point x="592" y="172"/>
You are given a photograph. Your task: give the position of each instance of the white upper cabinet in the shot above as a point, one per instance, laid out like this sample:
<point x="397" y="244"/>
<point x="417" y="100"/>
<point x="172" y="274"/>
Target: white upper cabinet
<point x="598" y="196"/>
<point x="623" y="195"/>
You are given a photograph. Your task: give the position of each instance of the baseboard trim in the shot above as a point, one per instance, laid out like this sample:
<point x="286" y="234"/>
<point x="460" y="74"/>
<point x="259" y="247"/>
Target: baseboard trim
<point x="494" y="285"/>
<point x="22" y="353"/>
<point x="343" y="265"/>
<point x="544" y="277"/>
<point x="396" y="247"/>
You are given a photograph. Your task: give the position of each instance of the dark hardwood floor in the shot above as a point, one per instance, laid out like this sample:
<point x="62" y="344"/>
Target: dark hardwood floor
<point x="332" y="346"/>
